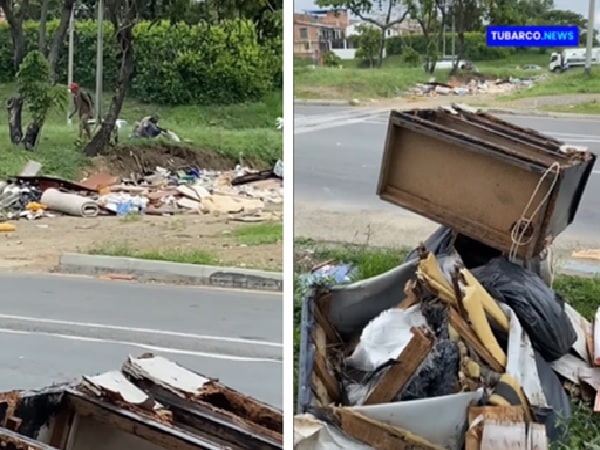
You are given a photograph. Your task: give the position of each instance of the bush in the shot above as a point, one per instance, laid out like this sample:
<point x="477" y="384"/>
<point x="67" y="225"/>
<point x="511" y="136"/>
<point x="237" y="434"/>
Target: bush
<point x="332" y="60"/>
<point x="411" y="58"/>
<point x="475" y="46"/>
<point x="220" y="64"/>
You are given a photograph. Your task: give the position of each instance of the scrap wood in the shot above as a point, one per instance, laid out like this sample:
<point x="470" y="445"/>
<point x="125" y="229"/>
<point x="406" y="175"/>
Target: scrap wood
<point x="596" y="339"/>
<point x="396" y="377"/>
<point x="508" y="392"/>
<point x="429" y="271"/>
<point x="590" y="376"/>
<point x="477" y="303"/>
<point x="379" y="435"/>
<point x="471" y="339"/>
<point x="583" y="329"/>
<point x="479" y="414"/>
<point x="521" y="363"/>
<point x="587" y="254"/>
<point x="513" y="435"/>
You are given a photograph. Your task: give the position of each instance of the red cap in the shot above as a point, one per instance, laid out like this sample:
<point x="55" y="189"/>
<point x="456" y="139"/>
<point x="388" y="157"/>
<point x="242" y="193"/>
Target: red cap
<point x="73" y="87"/>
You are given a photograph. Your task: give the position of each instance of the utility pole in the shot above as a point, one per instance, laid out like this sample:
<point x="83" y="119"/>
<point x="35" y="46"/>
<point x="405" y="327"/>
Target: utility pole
<point x="99" y="59"/>
<point x="453" y="33"/>
<point x="71" y="54"/>
<point x="590" y="38"/>
<point x="444" y="30"/>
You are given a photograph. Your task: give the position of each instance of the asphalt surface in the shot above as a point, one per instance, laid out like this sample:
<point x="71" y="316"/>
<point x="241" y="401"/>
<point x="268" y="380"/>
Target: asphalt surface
<point x="57" y="328"/>
<point x="337" y="154"/>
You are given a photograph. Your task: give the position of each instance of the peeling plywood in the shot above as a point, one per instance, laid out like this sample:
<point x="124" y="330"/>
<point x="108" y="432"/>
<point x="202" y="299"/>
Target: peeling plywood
<point x="151" y="404"/>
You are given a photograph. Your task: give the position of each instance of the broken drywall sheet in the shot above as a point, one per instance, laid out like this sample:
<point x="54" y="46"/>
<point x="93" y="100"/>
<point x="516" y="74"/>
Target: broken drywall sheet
<point x="386" y="337"/>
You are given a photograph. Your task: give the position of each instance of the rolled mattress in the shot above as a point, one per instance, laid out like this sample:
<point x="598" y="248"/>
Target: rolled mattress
<point x="71" y="204"/>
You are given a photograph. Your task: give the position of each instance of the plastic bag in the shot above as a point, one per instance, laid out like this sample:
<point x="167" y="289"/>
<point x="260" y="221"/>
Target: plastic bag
<point x="559" y="404"/>
<point x="444" y="242"/>
<point x="539" y="309"/>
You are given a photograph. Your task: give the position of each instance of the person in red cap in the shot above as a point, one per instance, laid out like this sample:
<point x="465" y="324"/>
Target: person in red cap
<point x="84" y="106"/>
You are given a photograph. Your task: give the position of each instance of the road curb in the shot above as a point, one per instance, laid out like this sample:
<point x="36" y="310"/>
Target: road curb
<point x="535" y="113"/>
<point x="170" y="272"/>
<point x="317" y="102"/>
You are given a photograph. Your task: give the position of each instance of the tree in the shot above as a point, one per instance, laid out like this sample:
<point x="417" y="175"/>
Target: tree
<point x="425" y="13"/>
<point x="368" y="41"/>
<point x="382" y="14"/>
<point x="38" y="94"/>
<point x="565" y="17"/>
<point x="15" y="14"/>
<point x="123" y="15"/>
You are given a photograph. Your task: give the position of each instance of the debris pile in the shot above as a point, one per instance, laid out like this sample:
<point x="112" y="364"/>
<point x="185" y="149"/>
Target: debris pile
<point x="150" y="403"/>
<point x="465" y="344"/>
<point x="241" y="192"/>
<point x="474" y="86"/>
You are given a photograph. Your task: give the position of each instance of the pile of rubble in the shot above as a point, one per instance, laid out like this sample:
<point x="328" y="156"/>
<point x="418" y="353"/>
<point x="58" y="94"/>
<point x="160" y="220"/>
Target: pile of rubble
<point x="150" y="403"/>
<point x="465" y="344"/>
<point x="241" y="192"/>
<point x="474" y="86"/>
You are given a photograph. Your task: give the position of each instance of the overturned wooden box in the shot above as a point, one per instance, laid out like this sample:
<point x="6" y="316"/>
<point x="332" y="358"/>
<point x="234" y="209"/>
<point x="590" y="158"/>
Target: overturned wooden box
<point x="477" y="174"/>
<point x="151" y="404"/>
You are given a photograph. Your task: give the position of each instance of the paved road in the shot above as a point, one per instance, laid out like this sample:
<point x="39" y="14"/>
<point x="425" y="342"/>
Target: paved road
<point x="56" y="328"/>
<point x="338" y="152"/>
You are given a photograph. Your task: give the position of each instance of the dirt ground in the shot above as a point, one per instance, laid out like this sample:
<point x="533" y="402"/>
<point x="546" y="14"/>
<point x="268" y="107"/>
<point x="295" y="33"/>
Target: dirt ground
<point x="389" y="228"/>
<point x="36" y="245"/>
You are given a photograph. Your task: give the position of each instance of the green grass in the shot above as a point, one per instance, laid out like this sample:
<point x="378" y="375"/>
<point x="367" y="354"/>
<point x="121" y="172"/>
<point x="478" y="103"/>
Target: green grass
<point x="573" y="81"/>
<point x="394" y="78"/>
<point x="259" y="234"/>
<point x="582" y="293"/>
<point x="226" y="130"/>
<point x="177" y="255"/>
<point x="592" y="107"/>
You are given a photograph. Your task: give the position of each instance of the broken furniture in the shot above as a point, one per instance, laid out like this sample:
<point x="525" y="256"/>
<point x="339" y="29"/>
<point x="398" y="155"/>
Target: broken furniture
<point x="151" y="404"/>
<point x="450" y="165"/>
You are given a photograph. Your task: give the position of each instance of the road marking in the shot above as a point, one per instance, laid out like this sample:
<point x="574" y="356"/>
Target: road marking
<point x="153" y="348"/>
<point x="142" y="330"/>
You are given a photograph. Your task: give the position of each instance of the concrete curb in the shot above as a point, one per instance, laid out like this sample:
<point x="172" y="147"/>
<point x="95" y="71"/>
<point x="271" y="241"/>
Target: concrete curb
<point x="169" y="272"/>
<point x="491" y="109"/>
<point x="318" y="102"/>
<point x="535" y="113"/>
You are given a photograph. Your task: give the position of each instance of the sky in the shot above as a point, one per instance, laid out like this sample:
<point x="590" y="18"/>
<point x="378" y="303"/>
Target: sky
<point x="581" y="7"/>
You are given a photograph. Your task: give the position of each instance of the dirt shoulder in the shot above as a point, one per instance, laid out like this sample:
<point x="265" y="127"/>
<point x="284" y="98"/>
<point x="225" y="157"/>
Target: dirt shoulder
<point x="36" y="245"/>
<point x="545" y="103"/>
<point x="389" y="229"/>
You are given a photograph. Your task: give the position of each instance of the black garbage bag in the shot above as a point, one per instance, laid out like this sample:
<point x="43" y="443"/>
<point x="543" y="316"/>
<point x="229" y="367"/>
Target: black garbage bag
<point x="539" y="309"/>
<point x="439" y="243"/>
<point x="472" y="252"/>
<point x="559" y="404"/>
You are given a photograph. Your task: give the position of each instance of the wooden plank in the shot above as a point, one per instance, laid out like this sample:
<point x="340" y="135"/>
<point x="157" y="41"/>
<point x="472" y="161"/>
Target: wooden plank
<point x="589" y="342"/>
<point x="322" y="371"/>
<point x="504" y="435"/>
<point x="497" y="413"/>
<point x="319" y="338"/>
<point x="399" y="373"/>
<point x="582" y="328"/>
<point x="320" y="391"/>
<point x="321" y="318"/>
<point x="596" y="362"/>
<point x="537" y="437"/>
<point x="380" y="435"/>
<point x="479" y="414"/>
<point x="469" y="336"/>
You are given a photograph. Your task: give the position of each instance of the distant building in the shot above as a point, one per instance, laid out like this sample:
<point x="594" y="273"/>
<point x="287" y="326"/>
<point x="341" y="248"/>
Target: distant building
<point x="318" y="31"/>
